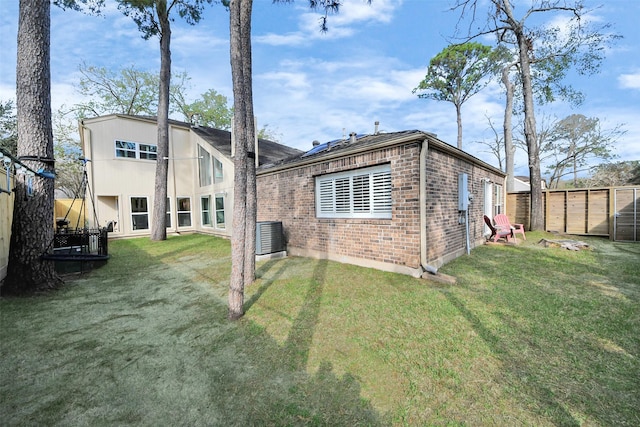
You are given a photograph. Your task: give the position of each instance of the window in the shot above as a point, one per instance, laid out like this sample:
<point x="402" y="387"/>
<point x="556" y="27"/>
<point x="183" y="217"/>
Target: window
<point x="204" y="167"/>
<point x="168" y="216"/>
<point x="139" y="213"/>
<point x="184" y="212"/>
<point x="364" y="193"/>
<point x="220" y="211"/>
<point x="125" y="149"/>
<point x="217" y="170"/>
<point x="135" y="150"/>
<point x="205" y="208"/>
<point x="497" y="199"/>
<point x="148" y="151"/>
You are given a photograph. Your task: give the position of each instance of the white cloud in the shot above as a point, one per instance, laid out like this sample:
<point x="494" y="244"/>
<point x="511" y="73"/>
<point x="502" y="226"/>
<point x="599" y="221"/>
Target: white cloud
<point x="629" y="81"/>
<point x="352" y="15"/>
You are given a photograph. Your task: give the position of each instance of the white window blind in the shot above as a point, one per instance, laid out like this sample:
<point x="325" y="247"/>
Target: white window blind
<point x="364" y="193"/>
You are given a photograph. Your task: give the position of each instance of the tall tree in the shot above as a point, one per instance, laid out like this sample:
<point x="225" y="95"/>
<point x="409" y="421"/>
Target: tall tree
<point x="153" y="19"/>
<point x="457" y="73"/>
<point x="244" y="207"/>
<point x="507" y="125"/>
<point x="571" y="44"/>
<point x="32" y="231"/>
<point x="575" y="143"/>
<point x="244" y="193"/>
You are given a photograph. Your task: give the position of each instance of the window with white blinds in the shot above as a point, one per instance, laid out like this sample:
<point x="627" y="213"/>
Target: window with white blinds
<point x="363" y="193"/>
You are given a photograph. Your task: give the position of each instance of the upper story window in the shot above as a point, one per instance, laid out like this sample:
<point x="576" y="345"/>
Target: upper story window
<point x="136" y="150"/>
<point x="363" y="193"/>
<point x="204" y="167"/>
<point x="217" y="170"/>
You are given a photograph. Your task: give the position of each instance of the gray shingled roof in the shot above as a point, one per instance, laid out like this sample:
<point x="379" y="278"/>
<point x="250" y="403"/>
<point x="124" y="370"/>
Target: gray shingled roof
<point x="269" y="152"/>
<point x="345" y="145"/>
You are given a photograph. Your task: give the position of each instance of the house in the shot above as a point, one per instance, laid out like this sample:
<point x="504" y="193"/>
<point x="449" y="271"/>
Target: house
<point x="121" y="174"/>
<point x="522" y="183"/>
<point x="387" y="200"/>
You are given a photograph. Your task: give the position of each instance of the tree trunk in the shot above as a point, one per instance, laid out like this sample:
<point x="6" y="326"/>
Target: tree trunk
<point x="509" y="149"/>
<point x="459" y="121"/>
<point x="243" y="238"/>
<point x="537" y="211"/>
<point x="159" y="223"/>
<point x="32" y="228"/>
<point x="524" y="45"/>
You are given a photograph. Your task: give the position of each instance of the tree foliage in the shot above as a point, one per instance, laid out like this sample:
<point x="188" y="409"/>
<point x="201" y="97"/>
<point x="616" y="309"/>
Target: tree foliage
<point x="574" y="143"/>
<point x="125" y="91"/>
<point x="613" y="174"/>
<point x="457" y="73"/>
<point x="540" y="50"/>
<point x="211" y="109"/>
<point x="8" y="127"/>
<point x="67" y="151"/>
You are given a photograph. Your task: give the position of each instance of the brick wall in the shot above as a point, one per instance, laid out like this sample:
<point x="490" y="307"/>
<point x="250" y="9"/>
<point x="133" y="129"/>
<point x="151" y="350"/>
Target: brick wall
<point x="289" y="196"/>
<point x="446" y="237"/>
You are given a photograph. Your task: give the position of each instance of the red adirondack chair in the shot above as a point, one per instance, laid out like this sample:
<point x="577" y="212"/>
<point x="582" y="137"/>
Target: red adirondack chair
<point x="498" y="232"/>
<point x="503" y="221"/>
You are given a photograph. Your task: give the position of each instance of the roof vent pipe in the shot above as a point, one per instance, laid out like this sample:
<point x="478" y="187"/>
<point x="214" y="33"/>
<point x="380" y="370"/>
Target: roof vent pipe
<point x="376" y="130"/>
<point x="352" y="137"/>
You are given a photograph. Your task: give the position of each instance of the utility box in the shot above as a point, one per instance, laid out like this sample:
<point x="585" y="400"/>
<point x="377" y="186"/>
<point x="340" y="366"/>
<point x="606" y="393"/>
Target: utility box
<point x="463" y="192"/>
<point x="269" y="237"/>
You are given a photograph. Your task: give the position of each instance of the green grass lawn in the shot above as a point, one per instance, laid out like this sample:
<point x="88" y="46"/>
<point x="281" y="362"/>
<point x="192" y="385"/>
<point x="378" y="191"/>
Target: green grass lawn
<point x="528" y="336"/>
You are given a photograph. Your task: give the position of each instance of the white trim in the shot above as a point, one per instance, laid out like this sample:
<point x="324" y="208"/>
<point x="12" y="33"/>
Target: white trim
<point x="215" y="211"/>
<point x="131" y="214"/>
<point x="178" y="212"/>
<point x="135" y="150"/>
<point x="359" y="193"/>
<point x="202" y="211"/>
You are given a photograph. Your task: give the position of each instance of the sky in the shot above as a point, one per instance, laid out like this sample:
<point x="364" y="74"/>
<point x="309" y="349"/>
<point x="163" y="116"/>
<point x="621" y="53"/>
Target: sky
<point x="309" y="85"/>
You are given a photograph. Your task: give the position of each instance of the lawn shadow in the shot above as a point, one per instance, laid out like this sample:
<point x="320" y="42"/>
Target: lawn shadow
<point x="156" y="348"/>
<point x="299" y="341"/>
<point x="265" y="284"/>
<point x="564" y="349"/>
<point x="517" y="366"/>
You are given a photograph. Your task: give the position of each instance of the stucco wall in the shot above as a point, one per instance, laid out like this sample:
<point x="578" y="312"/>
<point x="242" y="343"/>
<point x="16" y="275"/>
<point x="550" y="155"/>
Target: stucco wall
<point x="115" y="180"/>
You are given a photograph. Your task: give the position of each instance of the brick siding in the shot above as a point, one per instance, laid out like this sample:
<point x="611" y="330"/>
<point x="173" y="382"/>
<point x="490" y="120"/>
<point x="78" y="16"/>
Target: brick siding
<point x="289" y="196"/>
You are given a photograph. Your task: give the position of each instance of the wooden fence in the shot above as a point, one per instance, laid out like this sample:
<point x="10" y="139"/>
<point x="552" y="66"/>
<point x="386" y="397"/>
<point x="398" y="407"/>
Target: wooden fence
<point x="74" y="210"/>
<point x="6" y="216"/>
<point x="609" y="212"/>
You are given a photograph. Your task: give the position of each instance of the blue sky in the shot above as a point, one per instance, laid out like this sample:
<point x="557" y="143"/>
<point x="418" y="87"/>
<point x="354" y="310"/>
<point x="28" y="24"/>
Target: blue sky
<point x="312" y="86"/>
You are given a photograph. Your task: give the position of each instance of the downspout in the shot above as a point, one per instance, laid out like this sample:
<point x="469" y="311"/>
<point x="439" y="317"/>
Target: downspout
<point x="423" y="208"/>
<point x="172" y="156"/>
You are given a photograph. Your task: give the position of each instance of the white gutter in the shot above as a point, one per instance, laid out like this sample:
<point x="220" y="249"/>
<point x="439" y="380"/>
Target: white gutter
<point x="423" y="208"/>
